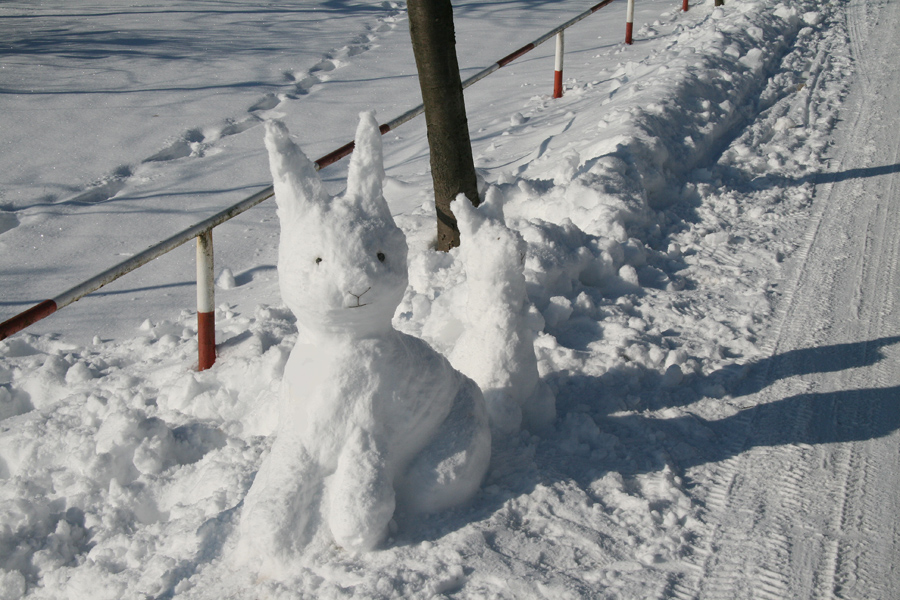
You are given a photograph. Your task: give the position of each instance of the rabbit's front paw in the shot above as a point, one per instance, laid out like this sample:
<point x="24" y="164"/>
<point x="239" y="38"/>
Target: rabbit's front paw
<point x="277" y="515"/>
<point x="362" y="496"/>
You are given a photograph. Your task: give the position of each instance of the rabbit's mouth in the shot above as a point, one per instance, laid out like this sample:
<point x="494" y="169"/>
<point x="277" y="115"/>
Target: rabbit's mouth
<point x="359" y="303"/>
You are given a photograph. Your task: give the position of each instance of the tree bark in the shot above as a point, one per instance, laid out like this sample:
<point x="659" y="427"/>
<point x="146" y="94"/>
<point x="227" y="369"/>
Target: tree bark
<point x="452" y="166"/>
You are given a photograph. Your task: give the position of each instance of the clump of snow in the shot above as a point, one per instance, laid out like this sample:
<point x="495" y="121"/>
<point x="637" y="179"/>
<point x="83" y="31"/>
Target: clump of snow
<point x="812" y="18"/>
<point x="225" y="280"/>
<point x="370" y="419"/>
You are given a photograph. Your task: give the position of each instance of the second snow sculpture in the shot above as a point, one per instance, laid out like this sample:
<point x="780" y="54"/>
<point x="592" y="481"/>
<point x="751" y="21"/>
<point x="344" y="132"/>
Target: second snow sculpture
<point x="496" y="348"/>
<point x="370" y="418"/>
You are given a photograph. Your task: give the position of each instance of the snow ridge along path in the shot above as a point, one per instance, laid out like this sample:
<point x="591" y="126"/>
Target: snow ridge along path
<point x="715" y="316"/>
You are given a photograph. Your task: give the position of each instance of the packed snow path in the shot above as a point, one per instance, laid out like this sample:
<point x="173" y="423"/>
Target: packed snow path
<point x="808" y="505"/>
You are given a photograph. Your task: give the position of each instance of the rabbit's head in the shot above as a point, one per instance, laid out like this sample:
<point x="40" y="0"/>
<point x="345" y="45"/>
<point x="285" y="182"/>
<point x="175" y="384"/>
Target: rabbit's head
<point x="342" y="260"/>
<point x="494" y="254"/>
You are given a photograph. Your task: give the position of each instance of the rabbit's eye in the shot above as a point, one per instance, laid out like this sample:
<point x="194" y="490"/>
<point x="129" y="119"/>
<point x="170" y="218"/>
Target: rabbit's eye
<point x="318" y="260"/>
<point x="380" y="256"/>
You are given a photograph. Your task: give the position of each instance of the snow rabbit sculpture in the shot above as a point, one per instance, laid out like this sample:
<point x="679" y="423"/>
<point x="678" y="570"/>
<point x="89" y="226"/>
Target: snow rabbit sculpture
<point x="496" y="347"/>
<point x="370" y="418"/>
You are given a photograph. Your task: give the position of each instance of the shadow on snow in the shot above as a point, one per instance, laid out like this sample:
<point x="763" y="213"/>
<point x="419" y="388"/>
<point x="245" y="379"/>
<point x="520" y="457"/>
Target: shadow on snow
<point x="645" y="443"/>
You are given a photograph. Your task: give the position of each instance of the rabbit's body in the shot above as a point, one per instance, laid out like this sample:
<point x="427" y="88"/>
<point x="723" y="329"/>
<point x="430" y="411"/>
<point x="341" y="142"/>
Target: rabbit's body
<point x="370" y="418"/>
<point x="388" y="420"/>
<point x="395" y="387"/>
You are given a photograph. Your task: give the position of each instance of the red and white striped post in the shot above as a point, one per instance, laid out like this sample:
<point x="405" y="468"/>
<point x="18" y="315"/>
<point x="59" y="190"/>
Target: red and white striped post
<point x="629" y="22"/>
<point x="206" y="302"/>
<point x="558" y="68"/>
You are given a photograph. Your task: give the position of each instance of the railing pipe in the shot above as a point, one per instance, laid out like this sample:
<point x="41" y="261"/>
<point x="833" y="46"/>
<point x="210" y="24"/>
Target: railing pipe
<point x="529" y="47"/>
<point x="558" y="65"/>
<point x="27" y="317"/>
<point x="43" y="309"/>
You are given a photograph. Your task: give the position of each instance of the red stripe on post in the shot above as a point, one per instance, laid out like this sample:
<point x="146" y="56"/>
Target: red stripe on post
<point x="24" y="319"/>
<point x="684" y="6"/>
<point x="206" y="339"/>
<point x="557" y="84"/>
<point x="629" y="21"/>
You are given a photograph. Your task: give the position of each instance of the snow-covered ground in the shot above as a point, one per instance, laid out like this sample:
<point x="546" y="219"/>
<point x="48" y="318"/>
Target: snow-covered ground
<point x="708" y="216"/>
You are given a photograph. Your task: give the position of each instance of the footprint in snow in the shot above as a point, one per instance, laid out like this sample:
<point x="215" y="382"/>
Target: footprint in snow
<point x="105" y="190"/>
<point x="8" y="221"/>
<point x="235" y="127"/>
<point x="180" y="148"/>
<point x="267" y="102"/>
<point x="187" y="145"/>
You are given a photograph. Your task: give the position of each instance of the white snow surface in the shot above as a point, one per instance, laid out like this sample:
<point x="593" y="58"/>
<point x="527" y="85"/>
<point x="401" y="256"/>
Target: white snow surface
<point x="705" y="227"/>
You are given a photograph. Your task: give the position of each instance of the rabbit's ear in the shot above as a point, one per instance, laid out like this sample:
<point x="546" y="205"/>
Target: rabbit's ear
<point x="468" y="218"/>
<point x="487" y="215"/>
<point x="366" y="172"/>
<point x="297" y="184"/>
<point x="492" y="205"/>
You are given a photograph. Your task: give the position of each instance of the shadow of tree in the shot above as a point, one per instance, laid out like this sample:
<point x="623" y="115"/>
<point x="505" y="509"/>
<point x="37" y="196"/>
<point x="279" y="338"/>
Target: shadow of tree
<point x="810" y="418"/>
<point x="823" y="359"/>
<point x="769" y="181"/>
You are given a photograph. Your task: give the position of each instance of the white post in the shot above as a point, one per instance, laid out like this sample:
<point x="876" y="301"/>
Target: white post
<point x="558" y="68"/>
<point x="629" y="22"/>
<point x="206" y="302"/>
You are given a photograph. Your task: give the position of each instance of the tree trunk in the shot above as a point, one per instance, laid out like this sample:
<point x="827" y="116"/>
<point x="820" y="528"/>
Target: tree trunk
<point x="452" y="165"/>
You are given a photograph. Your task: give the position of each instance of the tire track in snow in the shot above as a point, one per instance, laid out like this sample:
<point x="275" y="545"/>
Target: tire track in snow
<point x="865" y="554"/>
<point x="822" y="517"/>
<point x="753" y="496"/>
<point x="848" y="464"/>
